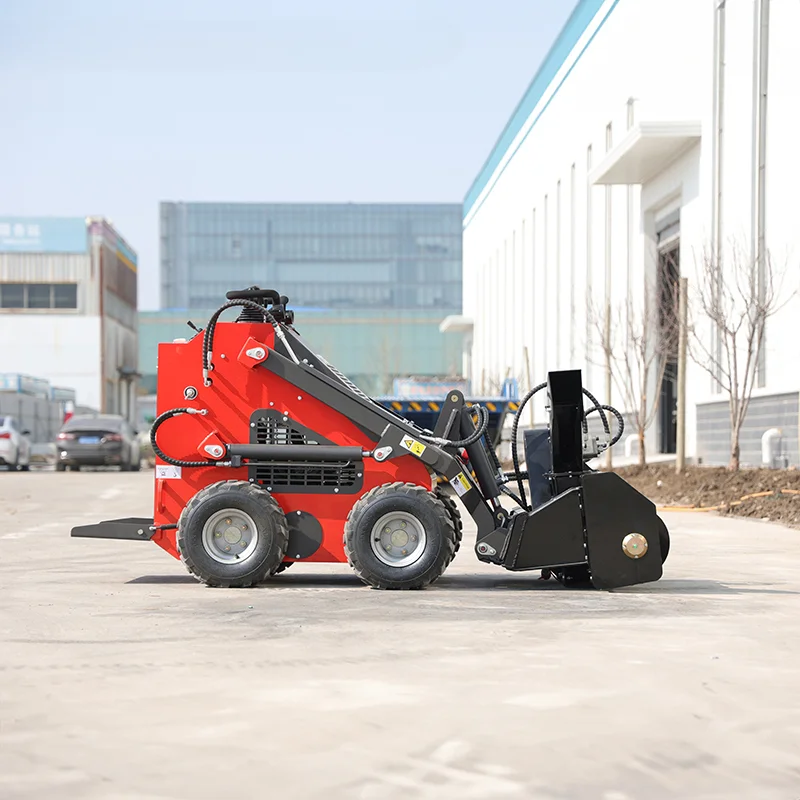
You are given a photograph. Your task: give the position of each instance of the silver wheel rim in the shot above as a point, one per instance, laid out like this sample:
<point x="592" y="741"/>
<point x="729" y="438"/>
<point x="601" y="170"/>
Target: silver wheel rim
<point x="230" y="536"/>
<point x="398" y="539"/>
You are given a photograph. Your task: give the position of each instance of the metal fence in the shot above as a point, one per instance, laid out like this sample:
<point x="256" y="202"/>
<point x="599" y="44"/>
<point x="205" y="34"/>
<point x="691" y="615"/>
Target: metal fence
<point x="42" y="417"/>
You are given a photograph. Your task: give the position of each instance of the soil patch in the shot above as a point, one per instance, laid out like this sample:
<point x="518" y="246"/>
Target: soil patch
<point x="730" y="492"/>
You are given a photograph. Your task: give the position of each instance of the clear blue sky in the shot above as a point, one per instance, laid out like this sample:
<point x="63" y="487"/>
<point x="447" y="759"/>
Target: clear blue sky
<point x="108" y="108"/>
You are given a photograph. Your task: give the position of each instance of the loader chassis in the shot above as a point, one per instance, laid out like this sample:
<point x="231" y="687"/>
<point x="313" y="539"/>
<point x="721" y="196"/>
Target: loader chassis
<point x="267" y="456"/>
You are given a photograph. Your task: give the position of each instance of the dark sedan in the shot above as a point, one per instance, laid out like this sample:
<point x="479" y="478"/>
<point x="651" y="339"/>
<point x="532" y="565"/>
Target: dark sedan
<point x="102" y="441"/>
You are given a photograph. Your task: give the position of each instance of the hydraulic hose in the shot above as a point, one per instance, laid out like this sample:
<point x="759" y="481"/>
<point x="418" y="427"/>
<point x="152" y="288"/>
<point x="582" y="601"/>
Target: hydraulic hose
<point x="514" y="454"/>
<point x="160" y="420"/>
<point x="483" y="424"/>
<point x="620" y="421"/>
<point x="522" y="499"/>
<point x="494" y="459"/>
<point x="597" y="406"/>
<point x="505" y="490"/>
<point x="208" y="335"/>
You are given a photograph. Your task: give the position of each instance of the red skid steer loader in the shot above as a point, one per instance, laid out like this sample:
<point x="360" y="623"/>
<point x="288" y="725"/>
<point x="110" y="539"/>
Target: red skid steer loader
<point x="266" y="455"/>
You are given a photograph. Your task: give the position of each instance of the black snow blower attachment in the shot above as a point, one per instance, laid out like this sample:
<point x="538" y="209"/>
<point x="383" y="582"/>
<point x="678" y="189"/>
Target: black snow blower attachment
<point x="580" y="526"/>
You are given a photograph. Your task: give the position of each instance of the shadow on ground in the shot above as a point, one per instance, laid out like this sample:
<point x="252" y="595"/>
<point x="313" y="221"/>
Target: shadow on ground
<point x="488" y="583"/>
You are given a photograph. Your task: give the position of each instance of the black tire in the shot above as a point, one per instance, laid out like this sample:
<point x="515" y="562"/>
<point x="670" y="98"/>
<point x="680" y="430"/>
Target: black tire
<point x="455" y="515"/>
<point x="61" y="467"/>
<point x="25" y="467"/>
<point x="270" y="522"/>
<point x="136" y="466"/>
<point x="431" y="513"/>
<point x="282" y="567"/>
<point x="663" y="539"/>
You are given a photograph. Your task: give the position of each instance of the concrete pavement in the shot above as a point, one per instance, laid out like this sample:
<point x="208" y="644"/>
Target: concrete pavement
<point x="123" y="678"/>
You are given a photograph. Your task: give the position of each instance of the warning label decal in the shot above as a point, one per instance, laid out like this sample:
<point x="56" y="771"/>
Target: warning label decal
<point x="461" y="484"/>
<point x="168" y="472"/>
<point x="412" y="445"/>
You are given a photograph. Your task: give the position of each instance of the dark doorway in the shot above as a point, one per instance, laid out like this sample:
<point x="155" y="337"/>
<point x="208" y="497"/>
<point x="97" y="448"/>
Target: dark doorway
<point x="668" y="282"/>
<point x="668" y="409"/>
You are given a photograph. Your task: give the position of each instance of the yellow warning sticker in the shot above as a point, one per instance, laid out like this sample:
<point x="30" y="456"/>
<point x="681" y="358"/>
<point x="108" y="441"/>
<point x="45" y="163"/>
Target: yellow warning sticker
<point x="412" y="445"/>
<point x="461" y="484"/>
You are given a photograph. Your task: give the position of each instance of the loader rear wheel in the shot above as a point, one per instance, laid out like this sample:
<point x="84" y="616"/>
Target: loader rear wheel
<point x="399" y="536"/>
<point x="455" y="515"/>
<point x="232" y="534"/>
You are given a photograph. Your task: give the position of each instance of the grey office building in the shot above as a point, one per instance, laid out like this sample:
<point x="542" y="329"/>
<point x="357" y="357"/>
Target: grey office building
<point x="330" y="256"/>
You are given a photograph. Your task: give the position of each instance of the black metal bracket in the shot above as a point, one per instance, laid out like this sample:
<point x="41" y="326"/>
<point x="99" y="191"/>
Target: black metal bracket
<point x="130" y="528"/>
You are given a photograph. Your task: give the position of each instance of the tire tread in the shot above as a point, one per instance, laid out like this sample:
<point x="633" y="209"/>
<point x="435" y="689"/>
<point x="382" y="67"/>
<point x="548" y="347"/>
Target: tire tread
<point x="455" y="515"/>
<point x="440" y="510"/>
<point x="271" y="508"/>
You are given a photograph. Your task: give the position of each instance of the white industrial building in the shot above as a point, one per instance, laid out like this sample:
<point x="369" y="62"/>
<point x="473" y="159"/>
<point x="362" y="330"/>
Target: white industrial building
<point x="68" y="299"/>
<point x="655" y="131"/>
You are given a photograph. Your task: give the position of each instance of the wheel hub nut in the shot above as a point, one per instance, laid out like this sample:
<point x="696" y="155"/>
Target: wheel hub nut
<point x="232" y="535"/>
<point x="399" y="538"/>
<point x="634" y="545"/>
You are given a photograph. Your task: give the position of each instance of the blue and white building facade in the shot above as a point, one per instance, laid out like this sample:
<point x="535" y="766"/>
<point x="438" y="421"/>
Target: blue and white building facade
<point x="654" y="131"/>
<point x="68" y="308"/>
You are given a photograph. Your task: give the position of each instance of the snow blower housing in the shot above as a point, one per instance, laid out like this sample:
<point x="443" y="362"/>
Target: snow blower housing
<point x="267" y="455"/>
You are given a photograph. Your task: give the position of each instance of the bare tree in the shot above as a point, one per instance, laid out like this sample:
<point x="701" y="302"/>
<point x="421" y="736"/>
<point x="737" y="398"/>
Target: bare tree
<point x="637" y="343"/>
<point x="737" y="295"/>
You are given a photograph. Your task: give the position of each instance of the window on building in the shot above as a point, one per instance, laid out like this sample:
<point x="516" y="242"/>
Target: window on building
<point x="38" y="295"/>
<point x="65" y="295"/>
<point x="12" y="295"/>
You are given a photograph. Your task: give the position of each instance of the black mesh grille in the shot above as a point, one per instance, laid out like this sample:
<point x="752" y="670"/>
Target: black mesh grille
<point x="306" y="475"/>
<point x="326" y="476"/>
<point x="273" y="431"/>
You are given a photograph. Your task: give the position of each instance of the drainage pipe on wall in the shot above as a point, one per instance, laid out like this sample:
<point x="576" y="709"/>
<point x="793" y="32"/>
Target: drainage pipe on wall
<point x="758" y="196"/>
<point x="631" y="441"/>
<point x="718" y="115"/>
<point x="717" y="158"/>
<point x="770" y="446"/>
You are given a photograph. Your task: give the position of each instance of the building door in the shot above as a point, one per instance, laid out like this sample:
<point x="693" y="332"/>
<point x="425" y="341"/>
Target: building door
<point x="668" y="239"/>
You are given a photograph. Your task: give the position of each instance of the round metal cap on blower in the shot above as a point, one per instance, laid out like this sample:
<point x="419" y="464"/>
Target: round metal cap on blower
<point x="634" y="545"/>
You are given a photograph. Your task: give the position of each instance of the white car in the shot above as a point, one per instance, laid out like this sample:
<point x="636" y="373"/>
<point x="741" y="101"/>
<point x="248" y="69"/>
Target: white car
<point x="15" y="445"/>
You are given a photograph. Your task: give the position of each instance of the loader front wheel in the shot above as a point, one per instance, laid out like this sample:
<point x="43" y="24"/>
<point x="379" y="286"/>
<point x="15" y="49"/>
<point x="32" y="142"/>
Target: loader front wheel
<point x="399" y="536"/>
<point x="455" y="515"/>
<point x="232" y="534"/>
